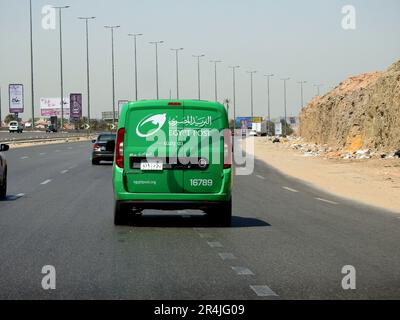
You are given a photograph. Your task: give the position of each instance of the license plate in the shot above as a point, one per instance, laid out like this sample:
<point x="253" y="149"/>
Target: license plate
<point x="151" y="166"/>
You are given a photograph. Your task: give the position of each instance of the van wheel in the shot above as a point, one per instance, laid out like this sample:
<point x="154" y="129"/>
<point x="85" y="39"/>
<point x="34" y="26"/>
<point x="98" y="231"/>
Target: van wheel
<point x="3" y="189"/>
<point x="95" y="162"/>
<point x="221" y="215"/>
<point x="120" y="214"/>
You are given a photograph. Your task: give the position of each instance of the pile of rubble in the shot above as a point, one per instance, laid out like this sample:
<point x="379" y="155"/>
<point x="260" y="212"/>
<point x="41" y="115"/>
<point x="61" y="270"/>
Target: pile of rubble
<point x="315" y="150"/>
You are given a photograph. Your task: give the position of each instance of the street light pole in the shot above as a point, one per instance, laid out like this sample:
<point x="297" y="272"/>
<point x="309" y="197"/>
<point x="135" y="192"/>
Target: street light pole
<point x="284" y="103"/>
<point x="32" y="84"/>
<point x="318" y="86"/>
<point x="269" y="100"/>
<point x="156" y="43"/>
<point x="135" y="35"/>
<point x="177" y="70"/>
<point x="198" y="72"/>
<point x="215" y="77"/>
<point x="302" y="92"/>
<point x="61" y="65"/>
<point x="251" y="92"/>
<point x="113" y="68"/>
<point x="87" y="65"/>
<point x="234" y="91"/>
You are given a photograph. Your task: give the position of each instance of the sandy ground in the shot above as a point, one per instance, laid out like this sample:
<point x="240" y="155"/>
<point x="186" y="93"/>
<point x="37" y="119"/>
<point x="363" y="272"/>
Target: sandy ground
<point x="375" y="181"/>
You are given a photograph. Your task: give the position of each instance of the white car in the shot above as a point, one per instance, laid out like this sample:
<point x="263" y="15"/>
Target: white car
<point x="253" y="133"/>
<point x="14" y="126"/>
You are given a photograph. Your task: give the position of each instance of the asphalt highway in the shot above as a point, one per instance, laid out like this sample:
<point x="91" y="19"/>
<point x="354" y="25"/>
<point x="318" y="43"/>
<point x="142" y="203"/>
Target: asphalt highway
<point x="287" y="241"/>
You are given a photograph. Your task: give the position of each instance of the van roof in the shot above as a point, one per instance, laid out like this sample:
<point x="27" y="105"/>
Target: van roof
<point x="165" y="103"/>
<point x="194" y="103"/>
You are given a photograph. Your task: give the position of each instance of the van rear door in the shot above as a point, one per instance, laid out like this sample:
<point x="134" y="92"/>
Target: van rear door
<point x="147" y="152"/>
<point x="204" y="124"/>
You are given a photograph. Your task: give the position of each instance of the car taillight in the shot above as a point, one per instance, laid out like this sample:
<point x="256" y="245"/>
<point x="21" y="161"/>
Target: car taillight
<point x="95" y="146"/>
<point x="119" y="149"/>
<point x="227" y="149"/>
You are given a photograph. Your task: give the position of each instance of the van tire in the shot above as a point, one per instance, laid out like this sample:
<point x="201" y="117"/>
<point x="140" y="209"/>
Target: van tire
<point x="221" y="215"/>
<point x="120" y="214"/>
<point x="95" y="162"/>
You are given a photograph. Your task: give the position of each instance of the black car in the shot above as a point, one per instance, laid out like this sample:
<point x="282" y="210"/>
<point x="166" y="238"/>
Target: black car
<point x="3" y="171"/>
<point x="103" y="148"/>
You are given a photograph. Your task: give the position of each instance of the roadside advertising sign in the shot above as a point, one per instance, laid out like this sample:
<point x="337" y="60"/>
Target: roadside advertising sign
<point x="278" y="128"/>
<point x="16" y="98"/>
<point x="75" y="106"/>
<point x="50" y="107"/>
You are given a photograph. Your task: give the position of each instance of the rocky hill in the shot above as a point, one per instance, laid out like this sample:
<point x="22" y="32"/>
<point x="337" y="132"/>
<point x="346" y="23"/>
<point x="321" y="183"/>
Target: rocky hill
<point x="362" y="112"/>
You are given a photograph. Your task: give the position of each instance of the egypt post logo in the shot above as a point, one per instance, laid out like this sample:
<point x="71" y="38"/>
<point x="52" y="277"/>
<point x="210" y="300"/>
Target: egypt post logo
<point x="144" y="129"/>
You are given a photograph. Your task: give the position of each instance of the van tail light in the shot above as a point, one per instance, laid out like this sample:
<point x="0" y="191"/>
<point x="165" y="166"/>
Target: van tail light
<point x="119" y="148"/>
<point x="227" y="149"/>
<point x="95" y="146"/>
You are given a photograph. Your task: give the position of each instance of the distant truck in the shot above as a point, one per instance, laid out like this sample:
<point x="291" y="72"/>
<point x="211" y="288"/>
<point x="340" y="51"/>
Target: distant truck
<point x="260" y="128"/>
<point x="52" y="127"/>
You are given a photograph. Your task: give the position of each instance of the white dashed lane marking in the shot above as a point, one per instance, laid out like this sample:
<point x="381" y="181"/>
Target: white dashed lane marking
<point x="46" y="182"/>
<point x="243" y="271"/>
<point x="227" y="256"/>
<point x="64" y="171"/>
<point x="326" y="201"/>
<point x="260" y="177"/>
<point x="23" y="158"/>
<point x="20" y="195"/>
<point x="263" y="291"/>
<point x="205" y="235"/>
<point x="215" y="244"/>
<point x="290" y="189"/>
<point x="43" y="153"/>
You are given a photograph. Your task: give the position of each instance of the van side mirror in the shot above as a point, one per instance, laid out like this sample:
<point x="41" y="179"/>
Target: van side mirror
<point x="94" y="141"/>
<point x="4" y="147"/>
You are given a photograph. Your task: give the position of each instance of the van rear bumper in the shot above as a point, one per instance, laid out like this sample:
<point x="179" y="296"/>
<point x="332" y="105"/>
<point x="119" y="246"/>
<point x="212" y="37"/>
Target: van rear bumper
<point x="195" y="199"/>
<point x="170" y="205"/>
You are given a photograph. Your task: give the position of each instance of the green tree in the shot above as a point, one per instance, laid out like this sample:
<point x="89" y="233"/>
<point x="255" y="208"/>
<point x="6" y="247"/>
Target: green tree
<point x="9" y="118"/>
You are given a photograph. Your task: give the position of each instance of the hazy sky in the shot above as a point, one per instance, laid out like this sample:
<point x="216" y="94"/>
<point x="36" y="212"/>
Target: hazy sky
<point x="303" y="40"/>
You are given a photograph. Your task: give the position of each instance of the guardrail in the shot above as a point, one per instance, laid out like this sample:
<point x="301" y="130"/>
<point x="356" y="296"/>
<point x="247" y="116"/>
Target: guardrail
<point x="38" y="139"/>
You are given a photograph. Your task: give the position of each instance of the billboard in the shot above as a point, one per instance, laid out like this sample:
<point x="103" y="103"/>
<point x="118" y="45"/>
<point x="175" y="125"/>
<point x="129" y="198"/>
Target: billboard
<point x="108" y="115"/>
<point x="247" y="122"/>
<point x="75" y="101"/>
<point x="121" y="104"/>
<point x="16" y="98"/>
<point x="51" y="107"/>
<point x="278" y="128"/>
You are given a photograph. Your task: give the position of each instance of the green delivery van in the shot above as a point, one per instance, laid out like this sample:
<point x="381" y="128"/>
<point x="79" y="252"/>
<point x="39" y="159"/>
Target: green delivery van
<point x="173" y="155"/>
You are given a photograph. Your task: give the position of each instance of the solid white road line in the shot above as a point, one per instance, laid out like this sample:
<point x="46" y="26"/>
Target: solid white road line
<point x="326" y="201"/>
<point x="263" y="291"/>
<point x="242" y="271"/>
<point x="227" y="256"/>
<point x="261" y="177"/>
<point x="290" y="189"/>
<point x="215" y="244"/>
<point x="46" y="182"/>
